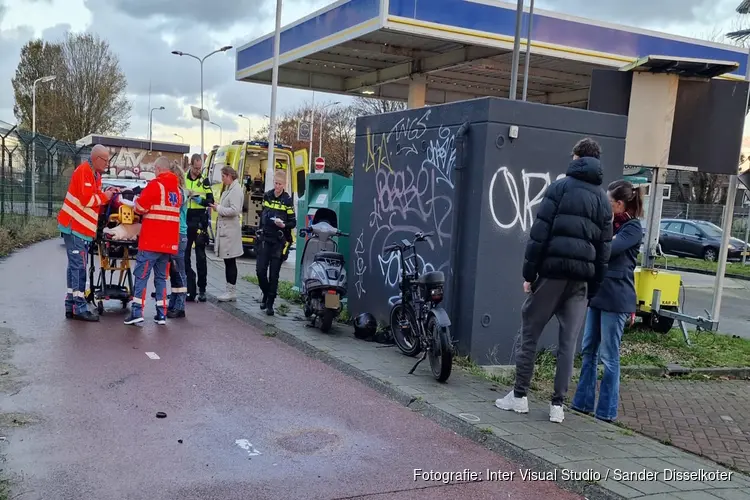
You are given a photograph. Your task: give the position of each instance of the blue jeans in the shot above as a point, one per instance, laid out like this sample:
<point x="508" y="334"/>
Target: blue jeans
<point x="178" y="277"/>
<point x="77" y="249"/>
<point x="144" y="263"/>
<point x="601" y="340"/>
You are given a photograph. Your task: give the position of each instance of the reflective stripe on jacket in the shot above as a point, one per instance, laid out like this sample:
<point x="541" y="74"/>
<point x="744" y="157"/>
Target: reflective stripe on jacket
<point x="196" y="186"/>
<point x="80" y="209"/>
<point x="159" y="205"/>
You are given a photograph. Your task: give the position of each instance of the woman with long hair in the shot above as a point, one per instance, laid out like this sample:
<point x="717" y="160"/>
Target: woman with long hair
<point x="177" y="273"/>
<point x="228" y="240"/>
<point x="611" y="307"/>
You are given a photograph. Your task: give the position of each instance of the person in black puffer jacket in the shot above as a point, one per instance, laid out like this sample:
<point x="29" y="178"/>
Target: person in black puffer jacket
<point x="564" y="265"/>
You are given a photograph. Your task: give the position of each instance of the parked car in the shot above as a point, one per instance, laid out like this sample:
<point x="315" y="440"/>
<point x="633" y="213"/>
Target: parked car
<point x="696" y="238"/>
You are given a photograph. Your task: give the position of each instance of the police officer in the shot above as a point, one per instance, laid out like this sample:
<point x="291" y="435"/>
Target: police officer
<point x="277" y="220"/>
<point x="197" y="221"/>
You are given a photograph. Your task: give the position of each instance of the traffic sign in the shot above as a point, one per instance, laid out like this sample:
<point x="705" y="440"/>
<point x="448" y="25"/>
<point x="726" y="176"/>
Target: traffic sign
<point x="320" y="165"/>
<point x="304" y="132"/>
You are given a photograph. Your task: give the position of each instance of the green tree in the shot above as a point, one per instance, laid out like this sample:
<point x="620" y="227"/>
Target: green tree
<point x="89" y="92"/>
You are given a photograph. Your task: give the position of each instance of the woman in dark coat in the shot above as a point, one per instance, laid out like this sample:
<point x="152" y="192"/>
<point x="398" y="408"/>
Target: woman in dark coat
<point x="611" y="307"/>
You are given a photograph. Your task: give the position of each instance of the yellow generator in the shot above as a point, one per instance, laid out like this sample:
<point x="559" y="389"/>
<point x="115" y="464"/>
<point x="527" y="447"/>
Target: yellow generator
<point x="668" y="283"/>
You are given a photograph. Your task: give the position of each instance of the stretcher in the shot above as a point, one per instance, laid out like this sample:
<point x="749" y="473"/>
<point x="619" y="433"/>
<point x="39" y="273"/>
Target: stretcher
<point x="110" y="271"/>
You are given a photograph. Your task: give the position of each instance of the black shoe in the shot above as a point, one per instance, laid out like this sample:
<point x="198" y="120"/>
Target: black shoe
<point x="263" y="302"/>
<point x="86" y="316"/>
<point x="68" y="314"/>
<point x="269" y="306"/>
<point x="172" y="314"/>
<point x="202" y="296"/>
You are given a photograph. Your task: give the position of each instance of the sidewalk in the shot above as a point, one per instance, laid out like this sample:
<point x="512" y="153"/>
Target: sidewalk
<point x="602" y="452"/>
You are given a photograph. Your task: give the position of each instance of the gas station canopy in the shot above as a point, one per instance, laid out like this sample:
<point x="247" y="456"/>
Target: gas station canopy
<point x="449" y="50"/>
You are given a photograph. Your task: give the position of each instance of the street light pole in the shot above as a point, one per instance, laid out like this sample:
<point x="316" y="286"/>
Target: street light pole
<point x="201" y="60"/>
<point x="249" y="127"/>
<point x="221" y="132"/>
<point x="43" y="79"/>
<point x="516" y="52"/>
<point x="312" y="132"/>
<point x="526" y="61"/>
<point x="322" y="116"/>
<point x="151" y="126"/>
<point x="274" y="91"/>
<point x="182" y="139"/>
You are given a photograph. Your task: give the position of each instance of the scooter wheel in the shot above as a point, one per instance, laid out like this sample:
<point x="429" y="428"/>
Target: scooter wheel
<point x="307" y="311"/>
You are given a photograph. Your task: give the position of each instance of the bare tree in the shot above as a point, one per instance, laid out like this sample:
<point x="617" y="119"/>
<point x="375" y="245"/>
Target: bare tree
<point x="374" y="106"/>
<point x="88" y="94"/>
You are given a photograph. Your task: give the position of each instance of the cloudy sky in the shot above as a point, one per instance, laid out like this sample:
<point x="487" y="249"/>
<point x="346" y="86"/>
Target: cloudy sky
<point x="144" y="32"/>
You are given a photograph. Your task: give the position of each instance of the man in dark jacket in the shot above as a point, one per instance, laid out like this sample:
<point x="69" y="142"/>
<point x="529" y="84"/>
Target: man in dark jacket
<point x="565" y="263"/>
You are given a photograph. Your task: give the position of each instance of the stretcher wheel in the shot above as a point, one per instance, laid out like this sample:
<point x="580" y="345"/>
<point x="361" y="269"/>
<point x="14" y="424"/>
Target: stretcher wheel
<point x="100" y="307"/>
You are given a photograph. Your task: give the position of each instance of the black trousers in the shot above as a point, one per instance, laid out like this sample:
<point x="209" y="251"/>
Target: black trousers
<point x="268" y="266"/>
<point x="200" y="257"/>
<point x="230" y="270"/>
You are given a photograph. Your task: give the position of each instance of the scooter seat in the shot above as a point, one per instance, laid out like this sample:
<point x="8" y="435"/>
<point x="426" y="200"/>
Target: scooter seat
<point x="329" y="256"/>
<point x="432" y="278"/>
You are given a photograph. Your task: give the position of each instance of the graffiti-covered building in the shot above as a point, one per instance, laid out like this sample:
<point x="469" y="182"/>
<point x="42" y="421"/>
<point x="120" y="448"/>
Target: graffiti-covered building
<point x="134" y="158"/>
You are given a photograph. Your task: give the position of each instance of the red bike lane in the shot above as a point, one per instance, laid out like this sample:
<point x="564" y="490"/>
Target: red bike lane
<point x="247" y="416"/>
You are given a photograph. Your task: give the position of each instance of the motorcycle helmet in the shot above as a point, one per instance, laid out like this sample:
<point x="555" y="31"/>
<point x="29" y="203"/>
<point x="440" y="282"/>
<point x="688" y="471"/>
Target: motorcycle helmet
<point x="365" y="326"/>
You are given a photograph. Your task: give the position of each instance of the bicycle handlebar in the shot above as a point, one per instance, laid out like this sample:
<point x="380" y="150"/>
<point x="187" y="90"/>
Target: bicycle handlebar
<point x="405" y="245"/>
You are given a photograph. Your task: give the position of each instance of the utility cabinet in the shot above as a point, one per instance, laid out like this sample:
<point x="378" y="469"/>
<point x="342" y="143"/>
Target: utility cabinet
<point x="473" y="173"/>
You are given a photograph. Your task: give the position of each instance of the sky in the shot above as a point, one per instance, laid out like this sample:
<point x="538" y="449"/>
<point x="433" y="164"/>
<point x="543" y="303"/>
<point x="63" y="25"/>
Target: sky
<point x="142" y="33"/>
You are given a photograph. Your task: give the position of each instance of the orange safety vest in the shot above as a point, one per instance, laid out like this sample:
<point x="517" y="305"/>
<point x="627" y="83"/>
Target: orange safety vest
<point x="80" y="210"/>
<point x="159" y="205"/>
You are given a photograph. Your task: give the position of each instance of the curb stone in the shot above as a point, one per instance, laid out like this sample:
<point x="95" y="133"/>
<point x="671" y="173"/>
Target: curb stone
<point x="521" y="457"/>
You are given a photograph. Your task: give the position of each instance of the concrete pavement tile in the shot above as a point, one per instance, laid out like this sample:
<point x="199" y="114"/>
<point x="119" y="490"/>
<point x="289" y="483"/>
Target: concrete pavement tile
<point x="549" y="456"/>
<point x="518" y="428"/>
<point x="497" y="431"/>
<point x="622" y="464"/>
<point x="560" y="439"/>
<point x="584" y="466"/>
<point x="526" y="441"/>
<point x="621" y="489"/>
<point x="695" y="495"/>
<point x="572" y="453"/>
<point x="658" y="464"/>
<point x="732" y="494"/>
<point x="638" y="451"/>
<point x="659" y="496"/>
<point x="410" y="391"/>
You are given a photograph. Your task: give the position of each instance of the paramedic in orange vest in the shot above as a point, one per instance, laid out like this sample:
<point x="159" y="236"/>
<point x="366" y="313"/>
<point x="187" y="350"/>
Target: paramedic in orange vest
<point x="159" y="207"/>
<point x="78" y="220"/>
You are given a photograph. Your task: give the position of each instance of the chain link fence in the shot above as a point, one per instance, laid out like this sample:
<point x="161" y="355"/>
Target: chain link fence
<point x="34" y="173"/>
<point x="710" y="213"/>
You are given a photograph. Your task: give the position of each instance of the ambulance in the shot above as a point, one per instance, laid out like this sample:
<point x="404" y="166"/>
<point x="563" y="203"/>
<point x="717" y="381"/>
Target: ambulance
<point x="250" y="160"/>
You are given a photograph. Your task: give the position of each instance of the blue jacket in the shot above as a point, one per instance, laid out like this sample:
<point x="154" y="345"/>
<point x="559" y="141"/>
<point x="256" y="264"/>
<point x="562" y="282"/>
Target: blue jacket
<point x="617" y="292"/>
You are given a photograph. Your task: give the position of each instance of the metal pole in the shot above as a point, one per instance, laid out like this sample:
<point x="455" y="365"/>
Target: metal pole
<point x="747" y="236"/>
<point x="526" y="63"/>
<point x="312" y="132"/>
<point x="150" y="129"/>
<point x="33" y="143"/>
<point x="274" y="92"/>
<point x="516" y="51"/>
<point x="726" y="230"/>
<point x="320" y="146"/>
<point x="202" y="118"/>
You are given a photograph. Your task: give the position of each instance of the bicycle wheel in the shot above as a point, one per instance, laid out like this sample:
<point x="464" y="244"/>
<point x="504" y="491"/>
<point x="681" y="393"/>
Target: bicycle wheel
<point x="441" y="353"/>
<point x="405" y="331"/>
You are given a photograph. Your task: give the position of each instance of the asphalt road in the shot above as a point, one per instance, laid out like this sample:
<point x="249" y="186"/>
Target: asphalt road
<point x="248" y="417"/>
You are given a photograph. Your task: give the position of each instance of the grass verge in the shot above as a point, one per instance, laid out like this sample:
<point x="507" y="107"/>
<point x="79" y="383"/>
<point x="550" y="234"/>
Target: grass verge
<point x="639" y="347"/>
<point x="709" y="350"/>
<point x="17" y="232"/>
<point x="286" y="291"/>
<point x="702" y="265"/>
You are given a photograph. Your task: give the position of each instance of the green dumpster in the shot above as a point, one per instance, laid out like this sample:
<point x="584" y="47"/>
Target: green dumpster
<point x="331" y="191"/>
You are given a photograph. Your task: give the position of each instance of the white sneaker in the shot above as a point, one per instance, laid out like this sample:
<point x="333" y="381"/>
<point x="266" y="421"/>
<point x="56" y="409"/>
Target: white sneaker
<point x="511" y="402"/>
<point x="556" y="414"/>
